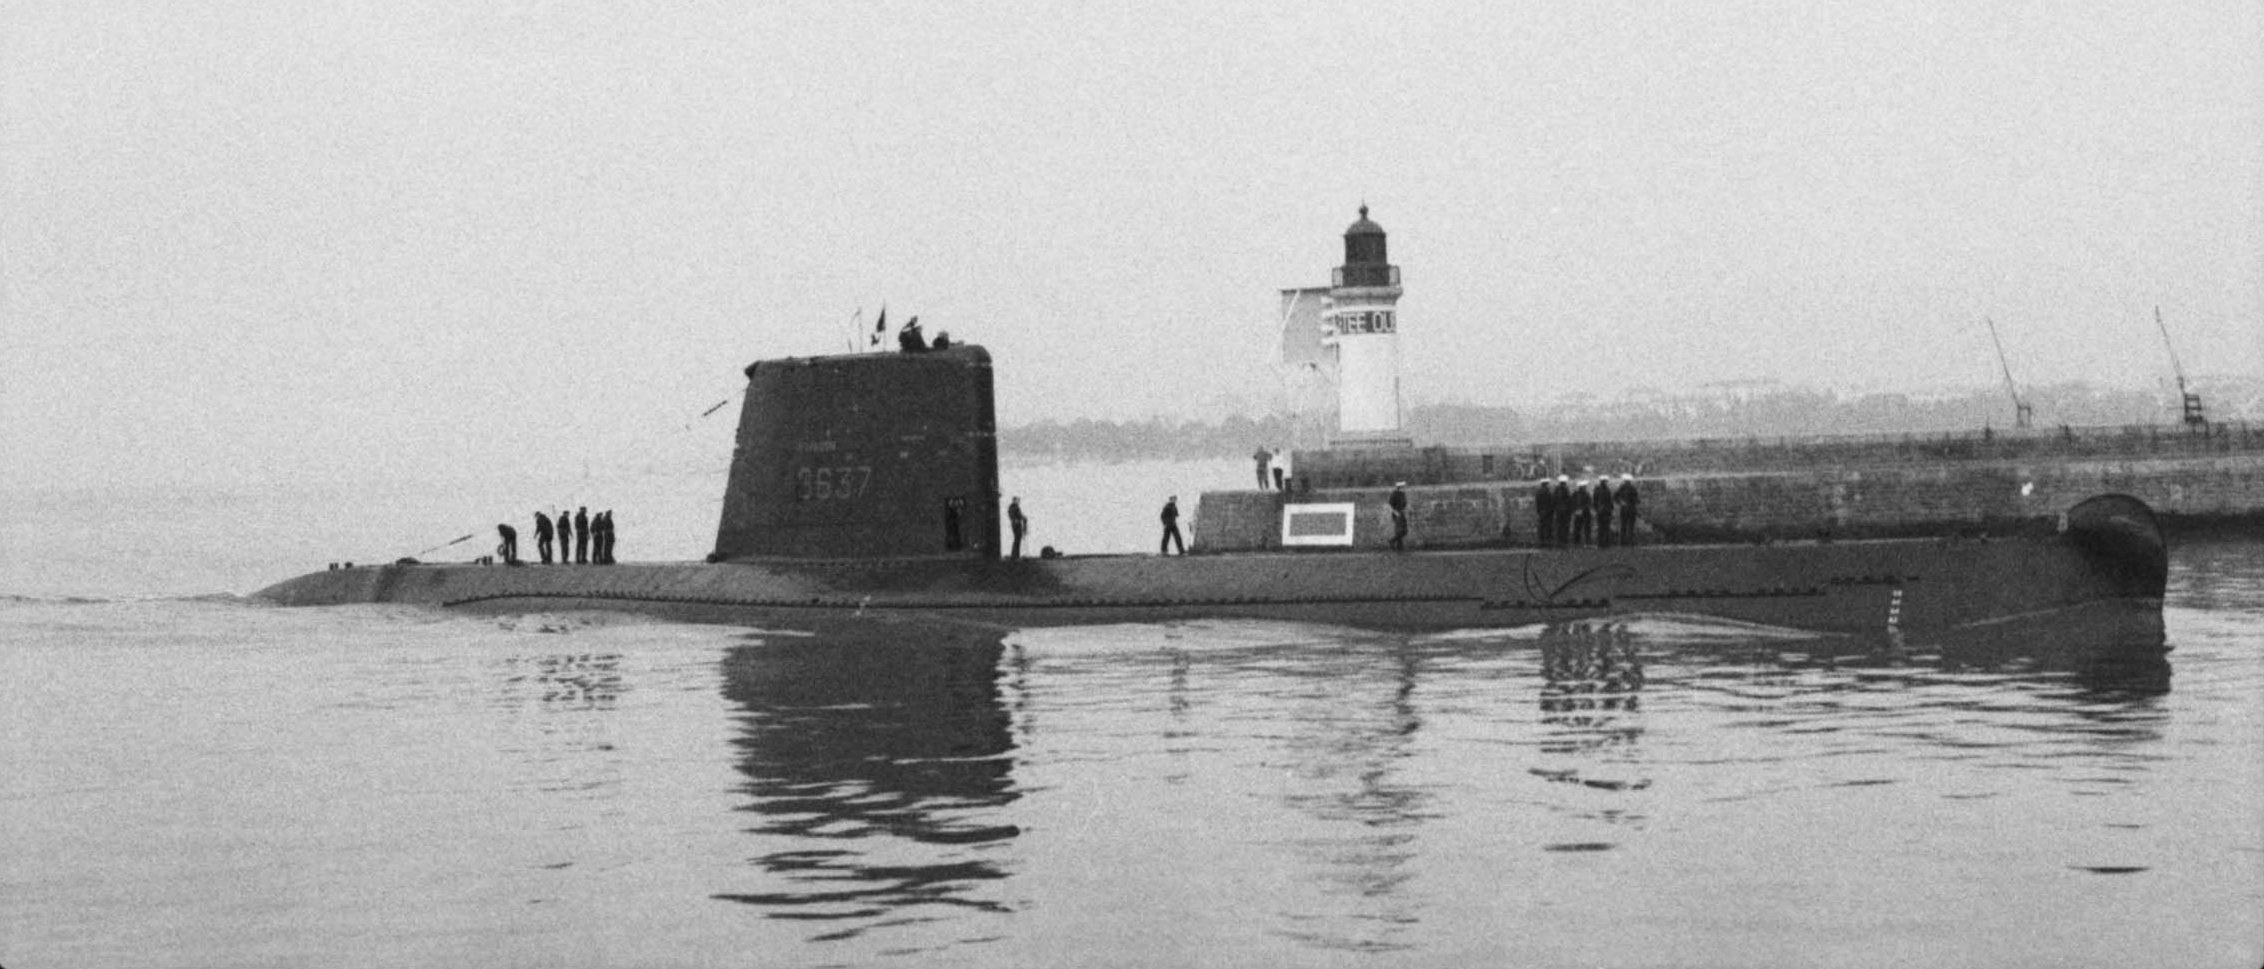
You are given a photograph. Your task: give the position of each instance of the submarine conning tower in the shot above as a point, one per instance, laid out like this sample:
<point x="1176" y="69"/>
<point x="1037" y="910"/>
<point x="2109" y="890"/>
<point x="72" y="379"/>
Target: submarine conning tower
<point x="865" y="456"/>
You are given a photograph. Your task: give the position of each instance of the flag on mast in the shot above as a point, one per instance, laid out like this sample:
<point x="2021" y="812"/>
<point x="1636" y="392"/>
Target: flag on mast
<point x="879" y="327"/>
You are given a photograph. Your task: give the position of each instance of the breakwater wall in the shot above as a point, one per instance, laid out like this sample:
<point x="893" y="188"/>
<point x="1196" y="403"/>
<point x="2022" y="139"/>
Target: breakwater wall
<point x="1438" y="465"/>
<point x="2190" y="492"/>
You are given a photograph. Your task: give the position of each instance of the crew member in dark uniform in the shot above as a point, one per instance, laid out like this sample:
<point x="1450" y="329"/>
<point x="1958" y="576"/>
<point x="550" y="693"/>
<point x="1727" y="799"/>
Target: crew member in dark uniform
<point x="1583" y="514"/>
<point x="565" y="537"/>
<point x="510" y="547"/>
<point x="1171" y="528"/>
<point x="604" y="542"/>
<point x="1399" y="517"/>
<point x="1264" y="459"/>
<point x="1563" y="504"/>
<point x="1020" y="524"/>
<point x="582" y="535"/>
<point x="909" y="339"/>
<point x="543" y="535"/>
<point x="1628" y="498"/>
<point x="1544" y="514"/>
<point x="1602" y="499"/>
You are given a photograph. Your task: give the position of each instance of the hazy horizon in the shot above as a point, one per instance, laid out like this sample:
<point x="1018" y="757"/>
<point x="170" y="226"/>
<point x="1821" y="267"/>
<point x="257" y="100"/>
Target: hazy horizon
<point x="244" y="241"/>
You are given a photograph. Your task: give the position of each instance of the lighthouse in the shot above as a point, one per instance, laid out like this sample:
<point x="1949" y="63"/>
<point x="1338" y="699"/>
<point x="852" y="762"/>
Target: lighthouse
<point x="1362" y="323"/>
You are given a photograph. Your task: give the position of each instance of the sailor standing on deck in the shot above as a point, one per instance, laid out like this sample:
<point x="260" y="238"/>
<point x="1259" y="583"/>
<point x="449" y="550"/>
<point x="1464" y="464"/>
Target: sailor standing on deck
<point x="1627" y="498"/>
<point x="582" y="535"/>
<point x="1603" y="502"/>
<point x="542" y="536"/>
<point x="565" y="537"/>
<point x="1562" y="503"/>
<point x="1399" y="517"/>
<point x="1171" y="528"/>
<point x="1544" y="514"/>
<point x="1020" y="524"/>
<point x="1264" y="459"/>
<point x="1583" y="514"/>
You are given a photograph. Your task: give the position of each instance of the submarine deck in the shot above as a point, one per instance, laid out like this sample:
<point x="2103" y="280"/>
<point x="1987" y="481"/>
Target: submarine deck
<point x="1845" y="586"/>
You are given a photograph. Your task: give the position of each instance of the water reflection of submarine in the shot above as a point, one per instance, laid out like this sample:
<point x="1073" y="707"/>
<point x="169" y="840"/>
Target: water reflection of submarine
<point x="866" y="486"/>
<point x="873" y="759"/>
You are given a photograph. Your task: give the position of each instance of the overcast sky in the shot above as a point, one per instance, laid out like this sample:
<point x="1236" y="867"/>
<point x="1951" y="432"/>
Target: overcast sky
<point x="258" y="239"/>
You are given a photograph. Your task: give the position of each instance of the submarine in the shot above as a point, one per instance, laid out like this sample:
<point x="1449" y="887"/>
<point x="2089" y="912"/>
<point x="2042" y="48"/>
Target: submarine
<point x="863" y="489"/>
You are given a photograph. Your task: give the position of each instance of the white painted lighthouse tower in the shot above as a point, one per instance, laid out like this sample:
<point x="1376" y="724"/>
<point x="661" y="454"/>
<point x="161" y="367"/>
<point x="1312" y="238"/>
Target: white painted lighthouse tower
<point x="1362" y="323"/>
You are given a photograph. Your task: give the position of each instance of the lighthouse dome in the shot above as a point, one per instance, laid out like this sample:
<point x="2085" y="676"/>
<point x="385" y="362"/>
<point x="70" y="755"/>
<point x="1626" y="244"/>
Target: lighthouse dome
<point x="1364" y="227"/>
<point x="1364" y="244"/>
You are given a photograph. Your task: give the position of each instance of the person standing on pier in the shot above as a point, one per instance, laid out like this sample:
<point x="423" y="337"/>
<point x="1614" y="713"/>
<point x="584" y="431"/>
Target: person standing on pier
<point x="1171" y="528"/>
<point x="1399" y="517"/>
<point x="1020" y="524"/>
<point x="1583" y="514"/>
<point x="1627" y="498"/>
<point x="543" y="535"/>
<point x="1544" y="514"/>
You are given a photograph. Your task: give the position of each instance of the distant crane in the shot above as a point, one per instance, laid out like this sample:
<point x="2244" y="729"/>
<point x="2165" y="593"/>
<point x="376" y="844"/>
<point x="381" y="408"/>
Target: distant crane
<point x="2194" y="418"/>
<point x="2021" y="412"/>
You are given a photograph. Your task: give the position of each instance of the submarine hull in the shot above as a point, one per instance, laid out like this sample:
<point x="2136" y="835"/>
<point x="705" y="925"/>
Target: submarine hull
<point x="2110" y="551"/>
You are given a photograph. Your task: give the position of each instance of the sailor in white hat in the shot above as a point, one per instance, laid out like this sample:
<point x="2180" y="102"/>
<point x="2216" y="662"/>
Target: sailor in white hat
<point x="1583" y="514"/>
<point x="1603" y="501"/>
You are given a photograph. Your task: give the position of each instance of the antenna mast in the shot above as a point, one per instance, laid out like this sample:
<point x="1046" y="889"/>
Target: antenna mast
<point x="2194" y="418"/>
<point x="2021" y="412"/>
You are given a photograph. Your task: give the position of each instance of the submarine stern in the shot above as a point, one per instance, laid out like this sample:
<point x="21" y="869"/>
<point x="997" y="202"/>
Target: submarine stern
<point x="2122" y="538"/>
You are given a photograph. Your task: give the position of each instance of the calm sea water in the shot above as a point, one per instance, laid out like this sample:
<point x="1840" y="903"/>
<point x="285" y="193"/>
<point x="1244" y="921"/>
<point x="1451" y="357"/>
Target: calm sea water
<point x="193" y="779"/>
